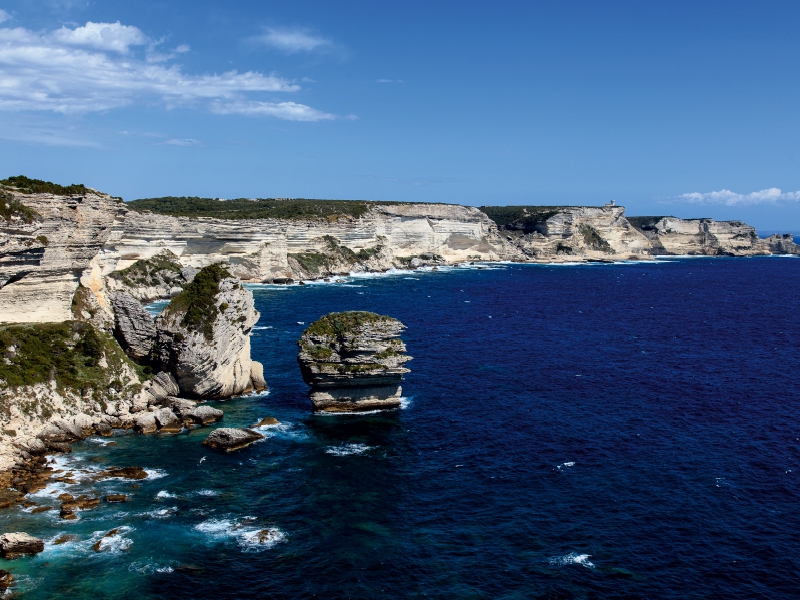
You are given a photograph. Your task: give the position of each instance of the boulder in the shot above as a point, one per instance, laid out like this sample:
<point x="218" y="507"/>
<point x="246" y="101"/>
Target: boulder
<point x="116" y="498"/>
<point x="6" y="579"/>
<point x="13" y="545"/>
<point x="203" y="336"/>
<point x="146" y="423"/>
<point x="265" y="421"/>
<point x="133" y="325"/>
<point x="124" y="473"/>
<point x="230" y="439"/>
<point x="205" y="415"/>
<point x="353" y="361"/>
<point x="167" y="421"/>
<point x="181" y="407"/>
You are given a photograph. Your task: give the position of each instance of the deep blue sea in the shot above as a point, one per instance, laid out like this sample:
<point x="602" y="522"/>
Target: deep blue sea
<point x="589" y="431"/>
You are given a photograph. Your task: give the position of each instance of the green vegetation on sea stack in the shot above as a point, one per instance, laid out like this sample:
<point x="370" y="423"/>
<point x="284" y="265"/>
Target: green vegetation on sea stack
<point x="37" y="186"/>
<point x="198" y="300"/>
<point x="339" y="324"/>
<point x="151" y="271"/>
<point x="260" y="208"/>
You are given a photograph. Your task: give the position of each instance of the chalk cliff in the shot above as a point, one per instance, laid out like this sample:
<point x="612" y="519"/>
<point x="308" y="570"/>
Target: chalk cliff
<point x="353" y="361"/>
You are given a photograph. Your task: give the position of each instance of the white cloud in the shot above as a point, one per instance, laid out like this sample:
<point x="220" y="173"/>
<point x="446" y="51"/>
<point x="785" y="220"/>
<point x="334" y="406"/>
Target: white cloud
<point x="4" y="16"/>
<point x="289" y="111"/>
<point x="53" y="72"/>
<point x="292" y="41"/>
<point x="729" y="198"/>
<point x="183" y="48"/>
<point x="187" y="142"/>
<point x="102" y="36"/>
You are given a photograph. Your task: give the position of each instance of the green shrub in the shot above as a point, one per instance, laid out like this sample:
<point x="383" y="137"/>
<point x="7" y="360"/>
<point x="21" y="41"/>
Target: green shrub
<point x="261" y="208"/>
<point x="594" y="240"/>
<point x="9" y="207"/>
<point x="198" y="300"/>
<point x="37" y="186"/>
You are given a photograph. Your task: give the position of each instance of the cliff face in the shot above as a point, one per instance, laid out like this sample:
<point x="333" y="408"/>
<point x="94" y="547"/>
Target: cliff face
<point x="42" y="262"/>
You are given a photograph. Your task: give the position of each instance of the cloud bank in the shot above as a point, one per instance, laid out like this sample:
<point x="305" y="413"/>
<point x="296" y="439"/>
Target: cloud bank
<point x="99" y="66"/>
<point x="729" y="198"/>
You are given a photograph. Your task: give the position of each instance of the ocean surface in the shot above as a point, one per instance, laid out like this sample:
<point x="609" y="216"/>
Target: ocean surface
<point x="577" y="431"/>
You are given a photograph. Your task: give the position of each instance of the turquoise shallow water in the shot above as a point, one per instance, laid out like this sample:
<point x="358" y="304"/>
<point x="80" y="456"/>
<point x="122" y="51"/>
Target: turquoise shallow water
<point x="594" y="431"/>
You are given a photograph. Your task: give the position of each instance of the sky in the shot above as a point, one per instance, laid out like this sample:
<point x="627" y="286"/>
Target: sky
<point x="670" y="108"/>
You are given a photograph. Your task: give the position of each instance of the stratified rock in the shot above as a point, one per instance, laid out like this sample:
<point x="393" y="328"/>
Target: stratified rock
<point x="204" y="336"/>
<point x="353" y="361"/>
<point x="257" y="376"/>
<point x="229" y="439"/>
<point x="133" y="325"/>
<point x="205" y="415"/>
<point x="13" y="545"/>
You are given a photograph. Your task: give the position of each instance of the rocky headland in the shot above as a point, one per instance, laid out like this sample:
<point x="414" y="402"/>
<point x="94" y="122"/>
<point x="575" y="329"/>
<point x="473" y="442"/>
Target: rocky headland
<point x="353" y="361"/>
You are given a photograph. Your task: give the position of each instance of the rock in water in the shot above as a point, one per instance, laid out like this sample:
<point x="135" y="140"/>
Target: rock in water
<point x="134" y="326"/>
<point x="353" y="361"/>
<point x="13" y="545"/>
<point x="230" y="439"/>
<point x="203" y="336"/>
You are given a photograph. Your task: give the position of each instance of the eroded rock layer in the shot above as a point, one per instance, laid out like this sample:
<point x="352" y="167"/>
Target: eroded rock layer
<point x="353" y="361"/>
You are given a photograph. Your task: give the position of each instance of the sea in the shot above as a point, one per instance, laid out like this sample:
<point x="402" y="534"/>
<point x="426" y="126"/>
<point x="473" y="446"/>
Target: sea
<point x="584" y="431"/>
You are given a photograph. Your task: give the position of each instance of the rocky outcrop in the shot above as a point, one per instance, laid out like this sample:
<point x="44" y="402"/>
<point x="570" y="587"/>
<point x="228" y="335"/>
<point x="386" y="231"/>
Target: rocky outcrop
<point x="353" y="361"/>
<point x="134" y="326"/>
<point x="203" y="337"/>
<point x="229" y="439"/>
<point x="160" y="276"/>
<point x="13" y="545"/>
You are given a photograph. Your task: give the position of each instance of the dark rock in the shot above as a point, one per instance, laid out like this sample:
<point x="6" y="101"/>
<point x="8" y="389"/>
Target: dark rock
<point x="266" y="421"/>
<point x="353" y="361"/>
<point x="283" y="280"/>
<point x="229" y="439"/>
<point x="13" y="545"/>
<point x="116" y="498"/>
<point x="6" y="579"/>
<point x="65" y="538"/>
<point x="134" y="326"/>
<point x="99" y="546"/>
<point x="63" y="447"/>
<point x="41" y="509"/>
<point x="9" y="498"/>
<point x="104" y="429"/>
<point x="67" y="514"/>
<point x="125" y="473"/>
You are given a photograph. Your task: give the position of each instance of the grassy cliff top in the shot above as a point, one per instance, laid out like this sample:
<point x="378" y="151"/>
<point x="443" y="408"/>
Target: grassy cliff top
<point x="260" y="208"/>
<point x="38" y="186"/>
<point x="339" y="324"/>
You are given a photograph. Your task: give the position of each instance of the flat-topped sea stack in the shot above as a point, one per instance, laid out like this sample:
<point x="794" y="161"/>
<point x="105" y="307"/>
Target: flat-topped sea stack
<point x="353" y="361"/>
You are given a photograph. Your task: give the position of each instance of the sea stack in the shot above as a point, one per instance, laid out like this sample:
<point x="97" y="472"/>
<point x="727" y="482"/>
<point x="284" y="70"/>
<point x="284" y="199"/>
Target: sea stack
<point x="353" y="361"/>
<point x="203" y="337"/>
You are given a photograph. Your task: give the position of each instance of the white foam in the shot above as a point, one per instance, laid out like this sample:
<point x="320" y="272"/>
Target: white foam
<point x="149" y="569"/>
<point x="113" y="543"/>
<point x="347" y="449"/>
<point x="248" y="537"/>
<point x="163" y="494"/>
<point x="566" y="464"/>
<point x="155" y="473"/>
<point x="208" y="493"/>
<point x="404" y="402"/>
<point x="572" y="558"/>
<point x="263" y="327"/>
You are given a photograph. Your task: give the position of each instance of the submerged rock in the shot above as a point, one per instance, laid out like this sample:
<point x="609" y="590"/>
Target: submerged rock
<point x="266" y="421"/>
<point x="124" y="473"/>
<point x="353" y="361"/>
<point x="230" y="439"/>
<point x="203" y="337"/>
<point x="116" y="498"/>
<point x="13" y="545"/>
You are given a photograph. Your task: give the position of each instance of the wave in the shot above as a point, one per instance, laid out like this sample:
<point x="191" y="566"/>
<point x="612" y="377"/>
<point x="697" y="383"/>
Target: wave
<point x="155" y="473"/>
<point x="347" y="449"/>
<point x="164" y="494"/>
<point x="572" y="558"/>
<point x="249" y="537"/>
<point x="263" y="327"/>
<point x="114" y="543"/>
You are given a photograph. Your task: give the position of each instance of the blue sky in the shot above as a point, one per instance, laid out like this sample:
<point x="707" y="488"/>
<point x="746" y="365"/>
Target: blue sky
<point x="676" y="108"/>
